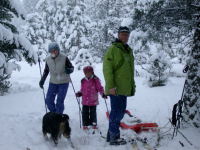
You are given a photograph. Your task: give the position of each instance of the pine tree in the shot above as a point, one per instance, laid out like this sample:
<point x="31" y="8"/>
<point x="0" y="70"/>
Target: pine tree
<point x="159" y="67"/>
<point x="13" y="45"/>
<point x="30" y="5"/>
<point x="157" y="20"/>
<point x="169" y="21"/>
<point x="50" y="24"/>
<point x="141" y="45"/>
<point x="36" y="31"/>
<point x="83" y="58"/>
<point x="107" y="16"/>
<point x="191" y="96"/>
<point x="78" y="34"/>
<point x="106" y="22"/>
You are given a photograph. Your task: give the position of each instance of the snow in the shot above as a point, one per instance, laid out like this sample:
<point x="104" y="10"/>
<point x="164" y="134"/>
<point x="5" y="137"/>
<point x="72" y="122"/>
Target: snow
<point x="18" y="6"/>
<point x="5" y="34"/>
<point x="126" y="22"/>
<point x="39" y="3"/>
<point x="23" y="108"/>
<point x="2" y="59"/>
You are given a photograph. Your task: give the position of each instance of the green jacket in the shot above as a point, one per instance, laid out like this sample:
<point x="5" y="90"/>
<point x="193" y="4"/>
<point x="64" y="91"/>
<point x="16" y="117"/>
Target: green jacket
<point x="118" y="69"/>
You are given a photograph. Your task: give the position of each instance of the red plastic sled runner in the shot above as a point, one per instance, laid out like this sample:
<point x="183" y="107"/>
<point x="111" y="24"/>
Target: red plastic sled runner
<point x="139" y="127"/>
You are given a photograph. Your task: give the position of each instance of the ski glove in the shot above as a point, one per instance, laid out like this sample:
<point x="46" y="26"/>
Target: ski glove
<point x="41" y="84"/>
<point x="78" y="94"/>
<point x="104" y="96"/>
<point x="69" y="70"/>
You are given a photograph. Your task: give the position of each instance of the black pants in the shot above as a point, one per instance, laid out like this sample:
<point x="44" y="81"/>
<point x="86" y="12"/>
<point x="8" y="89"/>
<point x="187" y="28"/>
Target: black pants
<point x="89" y="115"/>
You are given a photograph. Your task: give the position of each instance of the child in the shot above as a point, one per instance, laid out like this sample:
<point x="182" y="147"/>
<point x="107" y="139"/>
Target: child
<point x="90" y="86"/>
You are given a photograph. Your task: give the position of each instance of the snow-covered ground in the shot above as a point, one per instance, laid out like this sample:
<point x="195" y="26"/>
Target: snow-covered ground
<point x="21" y="113"/>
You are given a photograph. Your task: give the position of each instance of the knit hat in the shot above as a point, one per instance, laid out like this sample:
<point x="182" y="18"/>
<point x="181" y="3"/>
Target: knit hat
<point x="53" y="46"/>
<point x="88" y="69"/>
<point x="123" y="29"/>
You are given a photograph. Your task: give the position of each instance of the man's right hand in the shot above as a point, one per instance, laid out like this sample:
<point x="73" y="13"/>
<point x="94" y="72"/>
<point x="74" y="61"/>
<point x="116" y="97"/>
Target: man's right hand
<point x="113" y="91"/>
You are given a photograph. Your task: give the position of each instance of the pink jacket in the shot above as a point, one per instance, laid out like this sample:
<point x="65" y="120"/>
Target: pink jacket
<point x="89" y="89"/>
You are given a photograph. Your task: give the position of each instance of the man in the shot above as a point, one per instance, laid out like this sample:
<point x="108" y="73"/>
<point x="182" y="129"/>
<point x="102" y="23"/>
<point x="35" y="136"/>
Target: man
<point x="118" y="69"/>
<point x="59" y="67"/>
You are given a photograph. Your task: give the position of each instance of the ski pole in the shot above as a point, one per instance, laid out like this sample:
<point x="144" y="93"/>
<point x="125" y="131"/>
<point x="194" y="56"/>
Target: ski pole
<point x="106" y="105"/>
<point x="78" y="101"/>
<point x="42" y="88"/>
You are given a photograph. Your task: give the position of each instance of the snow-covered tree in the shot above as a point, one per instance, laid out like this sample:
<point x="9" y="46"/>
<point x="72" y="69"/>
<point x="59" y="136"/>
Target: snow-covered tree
<point x="107" y="16"/>
<point x="157" y="19"/>
<point x="36" y="31"/>
<point x="29" y="5"/>
<point x="159" y="67"/>
<point x="77" y="34"/>
<point x="141" y="46"/>
<point x="191" y="98"/>
<point x="83" y="58"/>
<point x="170" y="21"/>
<point x="48" y="24"/>
<point x="13" y="45"/>
<point x="64" y="22"/>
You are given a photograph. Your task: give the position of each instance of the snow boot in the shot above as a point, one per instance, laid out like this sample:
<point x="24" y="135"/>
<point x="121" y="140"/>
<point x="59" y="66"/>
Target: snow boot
<point x="119" y="141"/>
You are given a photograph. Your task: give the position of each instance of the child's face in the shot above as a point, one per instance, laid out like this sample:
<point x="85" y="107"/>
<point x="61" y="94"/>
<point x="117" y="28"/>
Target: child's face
<point x="88" y="74"/>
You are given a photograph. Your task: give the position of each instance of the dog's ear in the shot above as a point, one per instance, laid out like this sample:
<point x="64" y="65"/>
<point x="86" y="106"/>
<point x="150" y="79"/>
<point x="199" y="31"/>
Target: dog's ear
<point x="65" y="117"/>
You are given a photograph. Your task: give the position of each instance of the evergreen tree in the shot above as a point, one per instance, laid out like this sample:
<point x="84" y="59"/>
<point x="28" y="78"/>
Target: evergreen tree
<point x="141" y="46"/>
<point x="105" y="25"/>
<point x="107" y="16"/>
<point x="159" y="67"/>
<point x="66" y="23"/>
<point x="158" y="21"/>
<point x="50" y="24"/>
<point x="191" y="96"/>
<point x="83" y="58"/>
<point x="13" y="45"/>
<point x="36" y="31"/>
<point x="170" y="21"/>
<point x="77" y="35"/>
<point x="30" y="5"/>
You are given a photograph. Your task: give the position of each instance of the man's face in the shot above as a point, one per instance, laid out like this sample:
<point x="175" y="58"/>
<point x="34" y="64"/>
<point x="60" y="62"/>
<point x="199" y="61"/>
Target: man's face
<point x="123" y="36"/>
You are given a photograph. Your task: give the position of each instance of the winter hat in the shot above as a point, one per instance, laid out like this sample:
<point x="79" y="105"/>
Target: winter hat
<point x="88" y="69"/>
<point x="53" y="46"/>
<point x="123" y="29"/>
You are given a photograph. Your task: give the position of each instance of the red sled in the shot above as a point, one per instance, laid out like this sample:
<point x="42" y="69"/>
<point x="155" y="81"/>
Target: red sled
<point x="139" y="127"/>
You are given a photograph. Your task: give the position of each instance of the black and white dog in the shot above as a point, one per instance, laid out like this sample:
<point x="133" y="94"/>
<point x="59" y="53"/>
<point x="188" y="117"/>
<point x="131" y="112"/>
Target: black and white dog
<point x="56" y="125"/>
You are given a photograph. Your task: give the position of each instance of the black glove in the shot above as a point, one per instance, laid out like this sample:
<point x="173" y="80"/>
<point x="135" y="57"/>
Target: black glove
<point x="104" y="96"/>
<point x="69" y="70"/>
<point x="41" y="84"/>
<point x="78" y="94"/>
